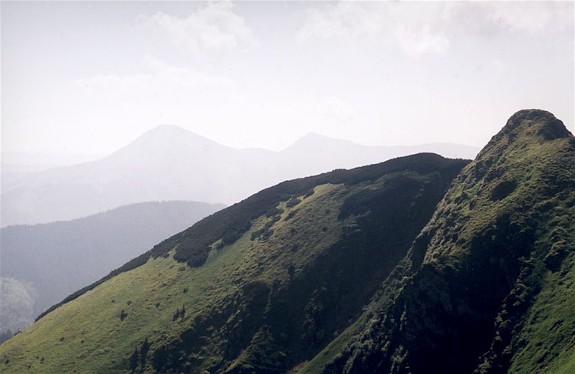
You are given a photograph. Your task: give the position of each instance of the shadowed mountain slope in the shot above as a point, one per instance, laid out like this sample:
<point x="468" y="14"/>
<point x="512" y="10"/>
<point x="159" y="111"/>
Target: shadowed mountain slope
<point x="261" y="285"/>
<point x="488" y="285"/>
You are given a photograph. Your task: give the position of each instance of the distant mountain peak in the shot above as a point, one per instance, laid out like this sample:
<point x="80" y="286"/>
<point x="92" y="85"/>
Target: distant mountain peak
<point x="314" y="140"/>
<point x="168" y="127"/>
<point x="311" y="137"/>
<point x="172" y="131"/>
<point x="168" y="138"/>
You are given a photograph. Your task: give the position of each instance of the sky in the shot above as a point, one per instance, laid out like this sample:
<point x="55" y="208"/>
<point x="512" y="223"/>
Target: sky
<point x="89" y="77"/>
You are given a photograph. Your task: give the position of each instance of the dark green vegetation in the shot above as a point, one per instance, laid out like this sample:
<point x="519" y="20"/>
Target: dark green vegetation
<point x="417" y="265"/>
<point x="488" y="285"/>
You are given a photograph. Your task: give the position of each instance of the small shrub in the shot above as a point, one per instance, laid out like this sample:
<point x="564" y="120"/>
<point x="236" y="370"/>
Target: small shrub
<point x="293" y="202"/>
<point x="266" y="232"/>
<point x="143" y="354"/>
<point x="291" y="270"/>
<point x="291" y="214"/>
<point x="309" y="193"/>
<point x="502" y="190"/>
<point x="181" y="314"/>
<point x="134" y="358"/>
<point x="273" y="212"/>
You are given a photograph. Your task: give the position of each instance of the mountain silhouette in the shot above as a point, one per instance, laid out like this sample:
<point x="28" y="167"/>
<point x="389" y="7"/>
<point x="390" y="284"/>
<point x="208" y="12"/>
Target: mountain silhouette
<point x="171" y="163"/>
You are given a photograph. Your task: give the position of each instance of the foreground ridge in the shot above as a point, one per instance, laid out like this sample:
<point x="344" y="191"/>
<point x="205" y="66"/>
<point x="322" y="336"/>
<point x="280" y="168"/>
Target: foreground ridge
<point x="260" y="286"/>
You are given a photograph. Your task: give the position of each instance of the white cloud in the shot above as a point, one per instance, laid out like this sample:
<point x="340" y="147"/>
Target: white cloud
<point x="160" y="78"/>
<point x="163" y="93"/>
<point x="414" y="31"/>
<point x="336" y="111"/>
<point x="418" y="28"/>
<point x="212" y="28"/>
<point x="530" y="17"/>
<point x="343" y="20"/>
<point x="112" y="109"/>
<point x="418" y="42"/>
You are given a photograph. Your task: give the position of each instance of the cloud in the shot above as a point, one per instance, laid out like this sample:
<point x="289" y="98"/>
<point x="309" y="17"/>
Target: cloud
<point x="334" y="109"/>
<point x="214" y="28"/>
<point x="531" y="17"/>
<point x="159" y="79"/>
<point x="418" y="28"/>
<point x="414" y="31"/>
<point x="112" y="109"/>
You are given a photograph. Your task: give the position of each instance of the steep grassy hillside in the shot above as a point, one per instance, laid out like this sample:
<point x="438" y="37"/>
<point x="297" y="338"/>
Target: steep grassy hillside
<point x="260" y="286"/>
<point x="489" y="284"/>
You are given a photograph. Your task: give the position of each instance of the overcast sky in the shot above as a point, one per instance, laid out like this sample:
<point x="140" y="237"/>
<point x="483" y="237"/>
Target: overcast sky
<point x="88" y="77"/>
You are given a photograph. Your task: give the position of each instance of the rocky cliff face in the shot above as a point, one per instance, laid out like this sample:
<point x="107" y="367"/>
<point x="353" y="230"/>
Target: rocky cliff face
<point x="469" y="296"/>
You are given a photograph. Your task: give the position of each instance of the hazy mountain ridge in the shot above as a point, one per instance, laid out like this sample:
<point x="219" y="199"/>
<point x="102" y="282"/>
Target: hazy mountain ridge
<point x="170" y="163"/>
<point x="416" y="265"/>
<point x="56" y="259"/>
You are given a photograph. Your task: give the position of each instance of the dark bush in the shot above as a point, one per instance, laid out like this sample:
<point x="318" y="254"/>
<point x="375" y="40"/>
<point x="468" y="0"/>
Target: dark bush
<point x="502" y="190"/>
<point x="293" y="202"/>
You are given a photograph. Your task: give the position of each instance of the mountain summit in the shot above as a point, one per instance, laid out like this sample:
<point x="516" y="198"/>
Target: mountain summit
<point x="487" y="285"/>
<point x="170" y="138"/>
<point x="417" y="265"/>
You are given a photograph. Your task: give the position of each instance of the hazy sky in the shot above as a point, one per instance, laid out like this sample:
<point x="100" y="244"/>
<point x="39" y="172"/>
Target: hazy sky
<point x="88" y="77"/>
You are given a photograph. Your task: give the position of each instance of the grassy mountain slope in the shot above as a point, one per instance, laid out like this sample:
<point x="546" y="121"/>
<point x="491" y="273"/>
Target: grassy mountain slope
<point x="489" y="284"/>
<point x="58" y="258"/>
<point x="260" y="286"/>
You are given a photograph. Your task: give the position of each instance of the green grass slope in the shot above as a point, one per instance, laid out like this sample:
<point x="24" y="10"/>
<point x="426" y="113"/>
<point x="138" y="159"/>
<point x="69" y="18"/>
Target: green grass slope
<point x="489" y="284"/>
<point x="261" y="286"/>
